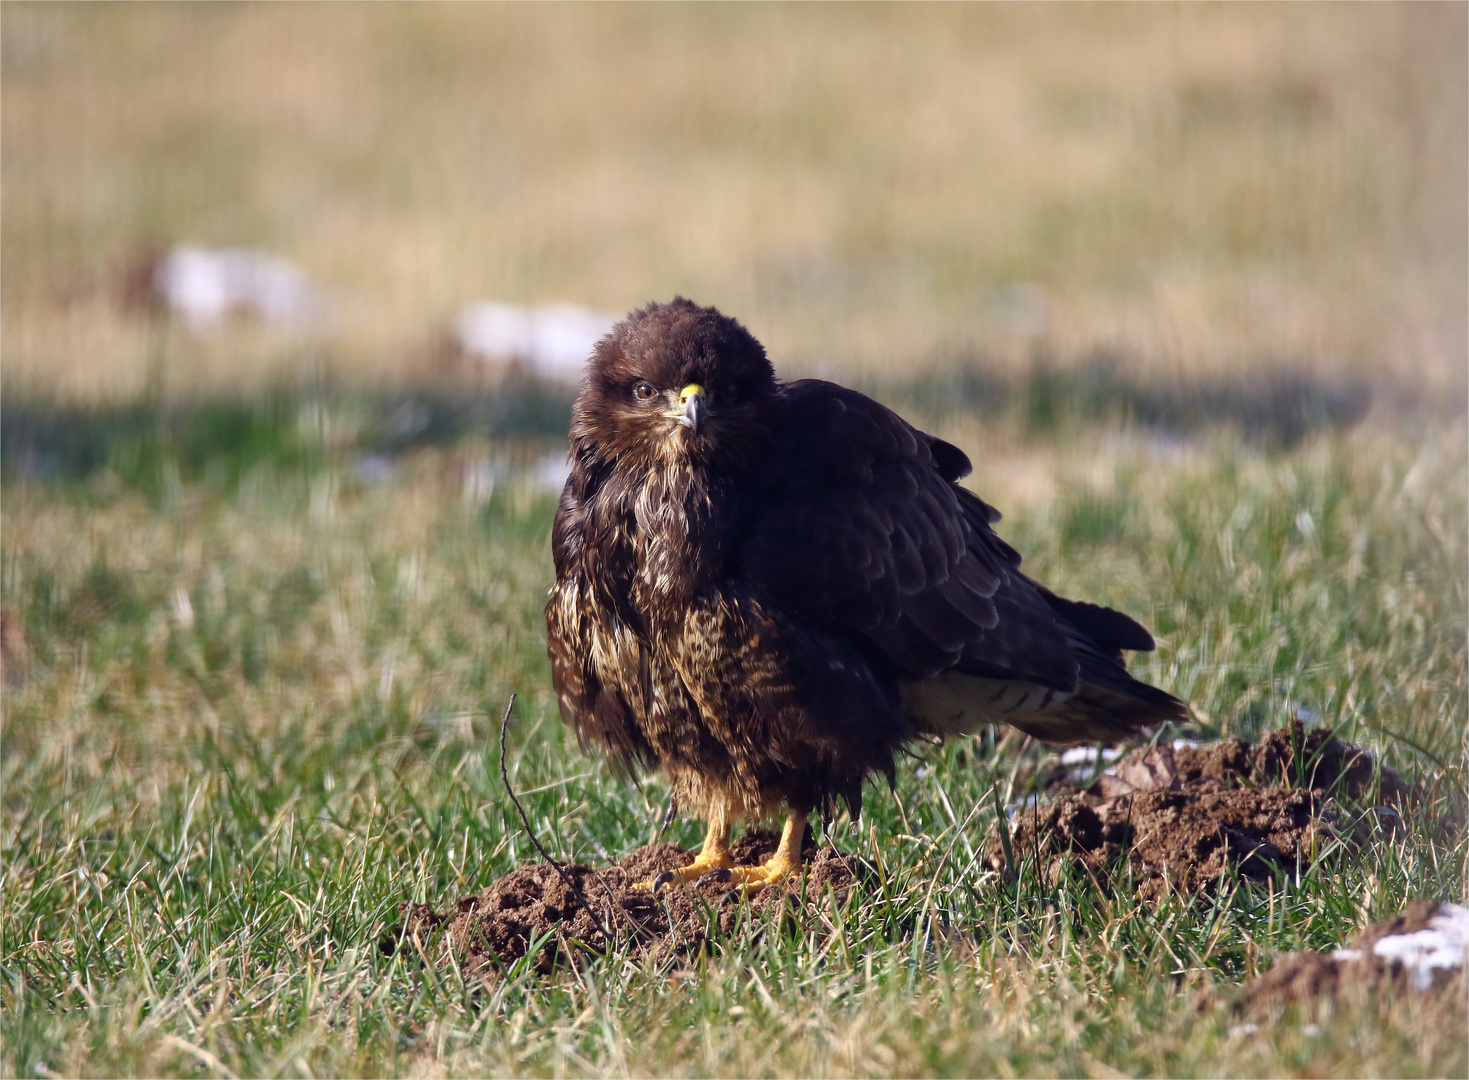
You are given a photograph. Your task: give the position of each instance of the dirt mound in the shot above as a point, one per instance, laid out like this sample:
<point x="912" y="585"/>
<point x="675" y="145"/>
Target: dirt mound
<point x="1293" y="757"/>
<point x="1421" y="949"/>
<point x="532" y="907"/>
<point x="1182" y="815"/>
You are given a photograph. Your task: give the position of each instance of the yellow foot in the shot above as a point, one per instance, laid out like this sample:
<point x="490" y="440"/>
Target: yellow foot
<point x="714" y="863"/>
<point x="705" y="862"/>
<point x="749" y="880"/>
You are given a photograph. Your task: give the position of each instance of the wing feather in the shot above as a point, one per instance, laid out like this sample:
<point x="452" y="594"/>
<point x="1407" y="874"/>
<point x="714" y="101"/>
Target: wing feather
<point x="864" y="531"/>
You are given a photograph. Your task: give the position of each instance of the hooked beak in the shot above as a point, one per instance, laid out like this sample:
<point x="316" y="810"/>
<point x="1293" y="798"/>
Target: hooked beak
<point x="694" y="412"/>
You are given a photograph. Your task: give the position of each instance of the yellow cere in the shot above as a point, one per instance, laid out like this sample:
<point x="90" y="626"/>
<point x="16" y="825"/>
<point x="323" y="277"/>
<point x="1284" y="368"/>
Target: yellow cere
<point x="690" y="390"/>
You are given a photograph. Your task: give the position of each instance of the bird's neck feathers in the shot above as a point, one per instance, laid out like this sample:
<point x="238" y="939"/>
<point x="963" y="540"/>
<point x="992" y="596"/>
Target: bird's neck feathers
<point x="683" y="515"/>
<point x="672" y="520"/>
<point x="674" y="515"/>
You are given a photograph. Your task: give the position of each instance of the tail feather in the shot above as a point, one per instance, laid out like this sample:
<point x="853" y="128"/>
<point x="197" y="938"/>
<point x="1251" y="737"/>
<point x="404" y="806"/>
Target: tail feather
<point x="1106" y="703"/>
<point x="1097" y="714"/>
<point x="956" y="703"/>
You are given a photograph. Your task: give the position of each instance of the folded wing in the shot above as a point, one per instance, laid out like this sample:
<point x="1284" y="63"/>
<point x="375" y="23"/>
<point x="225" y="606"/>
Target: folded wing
<point x="864" y="532"/>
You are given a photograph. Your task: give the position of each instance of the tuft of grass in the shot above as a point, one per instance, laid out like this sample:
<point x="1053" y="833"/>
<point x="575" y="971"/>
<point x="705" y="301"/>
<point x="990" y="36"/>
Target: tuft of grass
<point x="259" y="716"/>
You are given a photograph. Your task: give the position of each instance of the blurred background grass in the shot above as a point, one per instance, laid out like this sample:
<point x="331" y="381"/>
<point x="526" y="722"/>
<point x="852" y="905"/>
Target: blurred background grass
<point x="1186" y="192"/>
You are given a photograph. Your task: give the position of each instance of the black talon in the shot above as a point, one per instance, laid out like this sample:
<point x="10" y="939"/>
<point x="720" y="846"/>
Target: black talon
<point x="717" y="876"/>
<point x="734" y="896"/>
<point x="665" y="878"/>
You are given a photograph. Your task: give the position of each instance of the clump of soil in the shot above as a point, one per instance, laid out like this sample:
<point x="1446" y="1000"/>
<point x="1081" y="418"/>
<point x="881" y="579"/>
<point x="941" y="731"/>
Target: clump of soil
<point x="1421" y="949"/>
<point x="1179" y="816"/>
<point x="1293" y="757"/>
<point x="491" y="930"/>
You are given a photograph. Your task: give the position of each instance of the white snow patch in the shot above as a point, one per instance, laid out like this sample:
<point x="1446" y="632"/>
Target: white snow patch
<point x="203" y="286"/>
<point x="1441" y="945"/>
<point x="1085" y="755"/>
<point x="551" y="341"/>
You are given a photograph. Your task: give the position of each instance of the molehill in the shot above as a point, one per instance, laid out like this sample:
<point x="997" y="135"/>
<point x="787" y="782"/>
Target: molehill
<point x="1185" y="817"/>
<point x="534" y="907"/>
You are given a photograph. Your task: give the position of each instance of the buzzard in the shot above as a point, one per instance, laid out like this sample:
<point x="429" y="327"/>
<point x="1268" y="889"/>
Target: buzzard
<point x="766" y="589"/>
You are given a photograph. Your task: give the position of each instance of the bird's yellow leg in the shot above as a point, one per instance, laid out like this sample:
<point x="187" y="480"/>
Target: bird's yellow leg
<point x="785" y="862"/>
<point x="714" y="855"/>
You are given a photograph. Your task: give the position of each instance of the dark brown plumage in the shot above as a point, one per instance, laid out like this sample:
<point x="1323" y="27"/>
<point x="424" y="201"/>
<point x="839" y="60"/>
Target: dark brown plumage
<point x="765" y="589"/>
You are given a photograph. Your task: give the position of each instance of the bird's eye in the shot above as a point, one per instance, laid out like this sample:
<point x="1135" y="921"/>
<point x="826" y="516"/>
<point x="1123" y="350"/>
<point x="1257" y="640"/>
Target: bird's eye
<point x="644" y="391"/>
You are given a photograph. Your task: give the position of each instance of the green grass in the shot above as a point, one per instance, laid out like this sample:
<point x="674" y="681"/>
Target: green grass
<point x="261" y="707"/>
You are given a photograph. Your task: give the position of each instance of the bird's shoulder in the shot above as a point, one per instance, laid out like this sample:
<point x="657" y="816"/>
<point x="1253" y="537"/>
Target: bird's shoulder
<point x="825" y="433"/>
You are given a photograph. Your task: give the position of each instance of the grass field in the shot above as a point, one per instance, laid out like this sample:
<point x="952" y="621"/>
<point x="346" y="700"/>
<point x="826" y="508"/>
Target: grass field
<point x="261" y="712"/>
<point x="1186" y="283"/>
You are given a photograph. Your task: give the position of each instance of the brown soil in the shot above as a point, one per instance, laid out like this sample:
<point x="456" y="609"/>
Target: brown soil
<point x="1302" y="979"/>
<point x="1183" y="817"/>
<point x="1291" y="756"/>
<point x="492" y="930"/>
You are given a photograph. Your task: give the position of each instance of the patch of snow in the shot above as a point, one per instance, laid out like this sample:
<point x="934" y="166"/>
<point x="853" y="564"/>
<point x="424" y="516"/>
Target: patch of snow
<point x="1441" y="945"/>
<point x="1186" y="744"/>
<point x="203" y="286"/>
<point x="1085" y="755"/>
<point x="551" y="341"/>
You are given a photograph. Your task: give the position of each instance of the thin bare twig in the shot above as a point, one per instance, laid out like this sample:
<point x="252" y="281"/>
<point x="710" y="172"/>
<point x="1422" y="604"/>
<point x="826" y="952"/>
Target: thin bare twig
<point x="524" y="820"/>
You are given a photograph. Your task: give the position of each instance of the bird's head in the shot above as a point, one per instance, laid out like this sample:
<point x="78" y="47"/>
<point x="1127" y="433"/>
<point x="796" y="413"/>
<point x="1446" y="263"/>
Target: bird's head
<point x="674" y="382"/>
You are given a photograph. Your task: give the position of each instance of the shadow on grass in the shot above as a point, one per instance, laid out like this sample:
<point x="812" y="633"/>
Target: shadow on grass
<point x="1276" y="409"/>
<point x="148" y="446"/>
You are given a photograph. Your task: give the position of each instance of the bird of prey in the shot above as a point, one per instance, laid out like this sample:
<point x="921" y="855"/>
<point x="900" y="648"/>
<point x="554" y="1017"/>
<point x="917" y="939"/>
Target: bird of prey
<point x="766" y="589"/>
